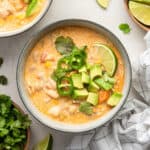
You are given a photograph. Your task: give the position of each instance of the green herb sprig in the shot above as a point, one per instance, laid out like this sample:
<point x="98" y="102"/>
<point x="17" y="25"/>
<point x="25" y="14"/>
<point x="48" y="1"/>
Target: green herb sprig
<point x="3" y="79"/>
<point x="125" y="28"/>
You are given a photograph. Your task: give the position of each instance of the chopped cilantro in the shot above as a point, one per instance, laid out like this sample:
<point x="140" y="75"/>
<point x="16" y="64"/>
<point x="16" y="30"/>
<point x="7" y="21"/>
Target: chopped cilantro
<point x="3" y="80"/>
<point x="1" y="61"/>
<point x="13" y="125"/>
<point x="125" y="28"/>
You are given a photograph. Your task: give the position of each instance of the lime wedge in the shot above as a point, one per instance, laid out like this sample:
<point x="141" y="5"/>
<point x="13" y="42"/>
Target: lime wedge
<point x="107" y="58"/>
<point x="140" y="11"/>
<point x="103" y="3"/>
<point x="45" y="144"/>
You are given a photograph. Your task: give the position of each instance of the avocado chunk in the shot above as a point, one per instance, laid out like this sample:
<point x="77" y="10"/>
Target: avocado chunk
<point x="95" y="71"/>
<point x="103" y="84"/>
<point x="80" y="94"/>
<point x="77" y="81"/>
<point x="114" y="99"/>
<point x="86" y="108"/>
<point x="92" y="98"/>
<point x="93" y="87"/>
<point x="109" y="79"/>
<point x="85" y="78"/>
<point x="88" y="66"/>
<point x="83" y="69"/>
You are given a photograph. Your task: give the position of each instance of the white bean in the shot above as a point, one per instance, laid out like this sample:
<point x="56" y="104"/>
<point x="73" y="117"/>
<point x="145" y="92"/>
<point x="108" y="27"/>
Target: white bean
<point x="55" y="111"/>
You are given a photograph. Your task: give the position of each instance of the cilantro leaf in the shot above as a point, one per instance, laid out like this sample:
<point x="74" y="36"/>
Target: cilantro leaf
<point x="1" y="61"/>
<point x="2" y="122"/>
<point x="86" y="108"/>
<point x="3" y="80"/>
<point x="64" y="45"/>
<point x="125" y="28"/>
<point x="5" y="105"/>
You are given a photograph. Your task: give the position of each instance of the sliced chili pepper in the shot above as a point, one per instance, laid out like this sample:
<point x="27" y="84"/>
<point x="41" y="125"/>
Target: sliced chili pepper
<point x="78" y="59"/>
<point x="65" y="86"/>
<point x="31" y="7"/>
<point x="63" y="64"/>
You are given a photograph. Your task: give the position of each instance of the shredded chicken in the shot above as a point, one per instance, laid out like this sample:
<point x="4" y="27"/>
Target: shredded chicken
<point x="8" y="7"/>
<point x="55" y="111"/>
<point x="51" y="93"/>
<point x="17" y="4"/>
<point x="47" y="56"/>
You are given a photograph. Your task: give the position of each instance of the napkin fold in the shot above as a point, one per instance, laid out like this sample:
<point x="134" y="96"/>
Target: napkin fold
<point x="130" y="129"/>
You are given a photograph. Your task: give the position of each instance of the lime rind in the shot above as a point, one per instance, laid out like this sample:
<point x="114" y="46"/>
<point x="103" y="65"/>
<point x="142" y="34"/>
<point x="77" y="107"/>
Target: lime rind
<point x="45" y="144"/>
<point x="142" y="1"/>
<point x="103" y="3"/>
<point x="108" y="58"/>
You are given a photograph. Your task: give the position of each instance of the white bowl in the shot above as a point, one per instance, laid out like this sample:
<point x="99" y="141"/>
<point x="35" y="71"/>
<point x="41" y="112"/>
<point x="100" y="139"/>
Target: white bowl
<point x="64" y="126"/>
<point x="29" y="25"/>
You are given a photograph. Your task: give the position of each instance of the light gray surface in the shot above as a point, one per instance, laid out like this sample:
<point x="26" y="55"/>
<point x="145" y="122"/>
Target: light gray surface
<point x="63" y="9"/>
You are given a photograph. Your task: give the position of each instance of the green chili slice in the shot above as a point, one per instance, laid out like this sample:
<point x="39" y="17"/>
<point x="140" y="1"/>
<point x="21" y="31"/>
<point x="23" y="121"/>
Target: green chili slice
<point x="78" y="59"/>
<point x="63" y="64"/>
<point x="65" y="86"/>
<point x="31" y="7"/>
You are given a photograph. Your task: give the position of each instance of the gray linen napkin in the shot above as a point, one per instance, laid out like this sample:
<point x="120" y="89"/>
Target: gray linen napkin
<point x="130" y="130"/>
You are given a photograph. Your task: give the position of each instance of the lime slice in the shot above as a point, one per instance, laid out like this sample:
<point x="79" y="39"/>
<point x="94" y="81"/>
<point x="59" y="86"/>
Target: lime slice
<point x="140" y="11"/>
<point x="103" y="3"/>
<point x="107" y="58"/>
<point x="45" y="144"/>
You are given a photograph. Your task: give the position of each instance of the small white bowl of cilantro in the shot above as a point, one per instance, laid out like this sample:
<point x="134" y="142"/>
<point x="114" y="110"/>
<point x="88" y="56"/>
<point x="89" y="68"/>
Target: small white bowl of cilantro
<point x="14" y="126"/>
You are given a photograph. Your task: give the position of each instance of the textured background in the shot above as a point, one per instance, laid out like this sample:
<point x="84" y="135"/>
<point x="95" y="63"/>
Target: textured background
<point x="65" y="9"/>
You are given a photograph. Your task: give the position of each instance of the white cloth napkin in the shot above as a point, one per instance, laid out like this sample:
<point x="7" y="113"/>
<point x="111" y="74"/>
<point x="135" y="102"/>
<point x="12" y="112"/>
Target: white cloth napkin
<point x="130" y="130"/>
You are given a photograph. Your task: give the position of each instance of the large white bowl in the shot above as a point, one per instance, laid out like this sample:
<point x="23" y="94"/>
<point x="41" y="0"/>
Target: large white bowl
<point x="29" y="25"/>
<point x="59" y="125"/>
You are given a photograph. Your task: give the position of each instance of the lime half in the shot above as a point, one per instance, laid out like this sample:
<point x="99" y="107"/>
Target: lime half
<point x="140" y="11"/>
<point x="45" y="144"/>
<point x="107" y="58"/>
<point x="103" y="3"/>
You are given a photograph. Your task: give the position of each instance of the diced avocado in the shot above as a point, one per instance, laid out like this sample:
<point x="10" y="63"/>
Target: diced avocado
<point x="83" y="69"/>
<point x="77" y="81"/>
<point x="93" y="87"/>
<point x="86" y="108"/>
<point x="93" y="98"/>
<point x="88" y="66"/>
<point x="80" y="94"/>
<point x="85" y="78"/>
<point x="95" y="71"/>
<point x="114" y="99"/>
<point x="109" y="79"/>
<point x="103" y="84"/>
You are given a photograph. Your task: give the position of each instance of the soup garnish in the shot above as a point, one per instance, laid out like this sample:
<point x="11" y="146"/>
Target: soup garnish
<point x="73" y="74"/>
<point x="80" y="80"/>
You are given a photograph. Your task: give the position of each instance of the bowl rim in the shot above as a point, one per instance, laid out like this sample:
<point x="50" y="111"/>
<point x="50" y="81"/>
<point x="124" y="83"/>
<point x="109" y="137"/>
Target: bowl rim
<point x="68" y="128"/>
<point x="26" y="146"/>
<point x="29" y="25"/>
<point x="141" y="25"/>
